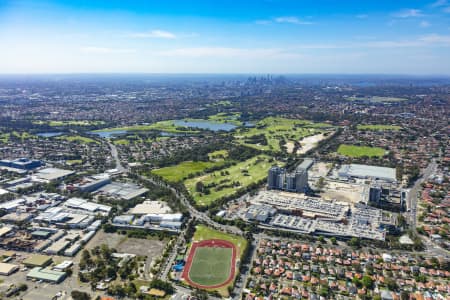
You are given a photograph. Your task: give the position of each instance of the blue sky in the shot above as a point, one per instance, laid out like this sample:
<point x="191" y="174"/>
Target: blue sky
<point x="256" y="36"/>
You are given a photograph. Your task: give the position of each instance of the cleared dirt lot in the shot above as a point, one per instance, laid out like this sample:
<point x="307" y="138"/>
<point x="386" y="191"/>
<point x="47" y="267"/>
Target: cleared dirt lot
<point x="345" y="192"/>
<point x="151" y="248"/>
<point x="310" y="142"/>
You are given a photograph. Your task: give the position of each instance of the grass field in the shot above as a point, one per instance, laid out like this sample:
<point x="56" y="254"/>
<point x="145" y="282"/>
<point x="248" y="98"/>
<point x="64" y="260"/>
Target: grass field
<point x="218" y="155"/>
<point x="166" y="126"/>
<point x="359" y="151"/>
<point x="74" y="162"/>
<point x="211" y="266"/>
<point x="121" y="142"/>
<point x="203" y="233"/>
<point x="182" y="170"/>
<point x="376" y="99"/>
<point x="77" y="138"/>
<point x="379" y="127"/>
<point x="231" y="118"/>
<point x="221" y="182"/>
<point x="4" y="138"/>
<point x="277" y="129"/>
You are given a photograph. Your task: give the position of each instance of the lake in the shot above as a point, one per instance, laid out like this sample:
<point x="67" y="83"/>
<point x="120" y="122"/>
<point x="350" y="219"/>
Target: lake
<point x="108" y="134"/>
<point x="208" y="125"/>
<point x="49" y="134"/>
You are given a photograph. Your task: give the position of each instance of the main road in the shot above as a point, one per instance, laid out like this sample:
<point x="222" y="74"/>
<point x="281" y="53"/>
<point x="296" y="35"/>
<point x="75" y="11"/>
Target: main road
<point x="413" y="194"/>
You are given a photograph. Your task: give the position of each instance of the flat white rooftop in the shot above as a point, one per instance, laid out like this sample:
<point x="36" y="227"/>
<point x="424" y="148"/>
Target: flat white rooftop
<point x="366" y="171"/>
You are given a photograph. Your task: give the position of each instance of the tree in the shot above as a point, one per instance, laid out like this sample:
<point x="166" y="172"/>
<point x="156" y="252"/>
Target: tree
<point x="320" y="183"/>
<point x="354" y="242"/>
<point x="391" y="284"/>
<point x="200" y="294"/>
<point x="199" y="186"/>
<point x="367" y="281"/>
<point x="333" y="240"/>
<point x="78" y="295"/>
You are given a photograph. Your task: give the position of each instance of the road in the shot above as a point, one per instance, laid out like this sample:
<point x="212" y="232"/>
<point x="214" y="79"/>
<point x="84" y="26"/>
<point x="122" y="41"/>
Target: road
<point x="412" y="201"/>
<point x="412" y="198"/>
<point x="115" y="156"/>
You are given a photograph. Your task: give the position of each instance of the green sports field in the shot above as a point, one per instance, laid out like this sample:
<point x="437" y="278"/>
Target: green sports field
<point x="211" y="266"/>
<point x="359" y="151"/>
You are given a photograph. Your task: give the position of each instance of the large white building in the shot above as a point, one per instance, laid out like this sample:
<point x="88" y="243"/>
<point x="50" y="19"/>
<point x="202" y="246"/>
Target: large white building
<point x="367" y="172"/>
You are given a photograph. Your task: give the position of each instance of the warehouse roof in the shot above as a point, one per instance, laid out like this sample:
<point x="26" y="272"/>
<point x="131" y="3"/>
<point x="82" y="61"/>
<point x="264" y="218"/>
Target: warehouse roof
<point x="37" y="260"/>
<point x="51" y="174"/>
<point x="5" y="230"/>
<point x="366" y="171"/>
<point x="150" y="207"/>
<point x="46" y="274"/>
<point x="7" y="268"/>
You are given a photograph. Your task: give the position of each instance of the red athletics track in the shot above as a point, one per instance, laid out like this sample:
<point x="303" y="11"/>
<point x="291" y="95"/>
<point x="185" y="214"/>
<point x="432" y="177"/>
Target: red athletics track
<point x="210" y="243"/>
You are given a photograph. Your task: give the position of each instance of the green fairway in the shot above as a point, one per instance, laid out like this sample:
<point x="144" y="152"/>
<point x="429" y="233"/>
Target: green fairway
<point x="121" y="142"/>
<point x="269" y="132"/>
<point x="359" y="151"/>
<point x="203" y="233"/>
<point x="228" y="181"/>
<point x="231" y="118"/>
<point x="4" y="137"/>
<point x="211" y="266"/>
<point x="182" y="170"/>
<point x="77" y="138"/>
<point x="166" y="126"/>
<point x="379" y="127"/>
<point x="218" y="155"/>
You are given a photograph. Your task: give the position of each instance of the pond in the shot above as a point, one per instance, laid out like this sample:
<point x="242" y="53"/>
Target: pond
<point x="209" y="125"/>
<point x="49" y="134"/>
<point x="108" y="134"/>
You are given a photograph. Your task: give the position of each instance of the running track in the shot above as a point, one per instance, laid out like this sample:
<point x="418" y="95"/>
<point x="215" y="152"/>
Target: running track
<point x="210" y="243"/>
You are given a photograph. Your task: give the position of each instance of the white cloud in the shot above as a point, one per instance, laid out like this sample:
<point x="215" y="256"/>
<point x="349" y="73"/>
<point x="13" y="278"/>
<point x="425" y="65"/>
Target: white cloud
<point x="362" y="16"/>
<point x="105" y="50"/>
<point x="292" y="20"/>
<point x="409" y="13"/>
<point x="157" y="34"/>
<point x="446" y="10"/>
<point x="424" y="24"/>
<point x="439" y="3"/>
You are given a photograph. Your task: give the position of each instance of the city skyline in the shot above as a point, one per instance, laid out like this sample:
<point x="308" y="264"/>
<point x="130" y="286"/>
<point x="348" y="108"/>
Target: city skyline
<point x="405" y="37"/>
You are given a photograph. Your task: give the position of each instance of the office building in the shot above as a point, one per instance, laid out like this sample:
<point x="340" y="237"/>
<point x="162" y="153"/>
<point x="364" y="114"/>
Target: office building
<point x="21" y="163"/>
<point x="279" y="179"/>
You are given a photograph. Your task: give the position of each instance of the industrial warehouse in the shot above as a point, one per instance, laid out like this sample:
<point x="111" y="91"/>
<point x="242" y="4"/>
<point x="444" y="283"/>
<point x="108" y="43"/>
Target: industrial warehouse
<point x="154" y="215"/>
